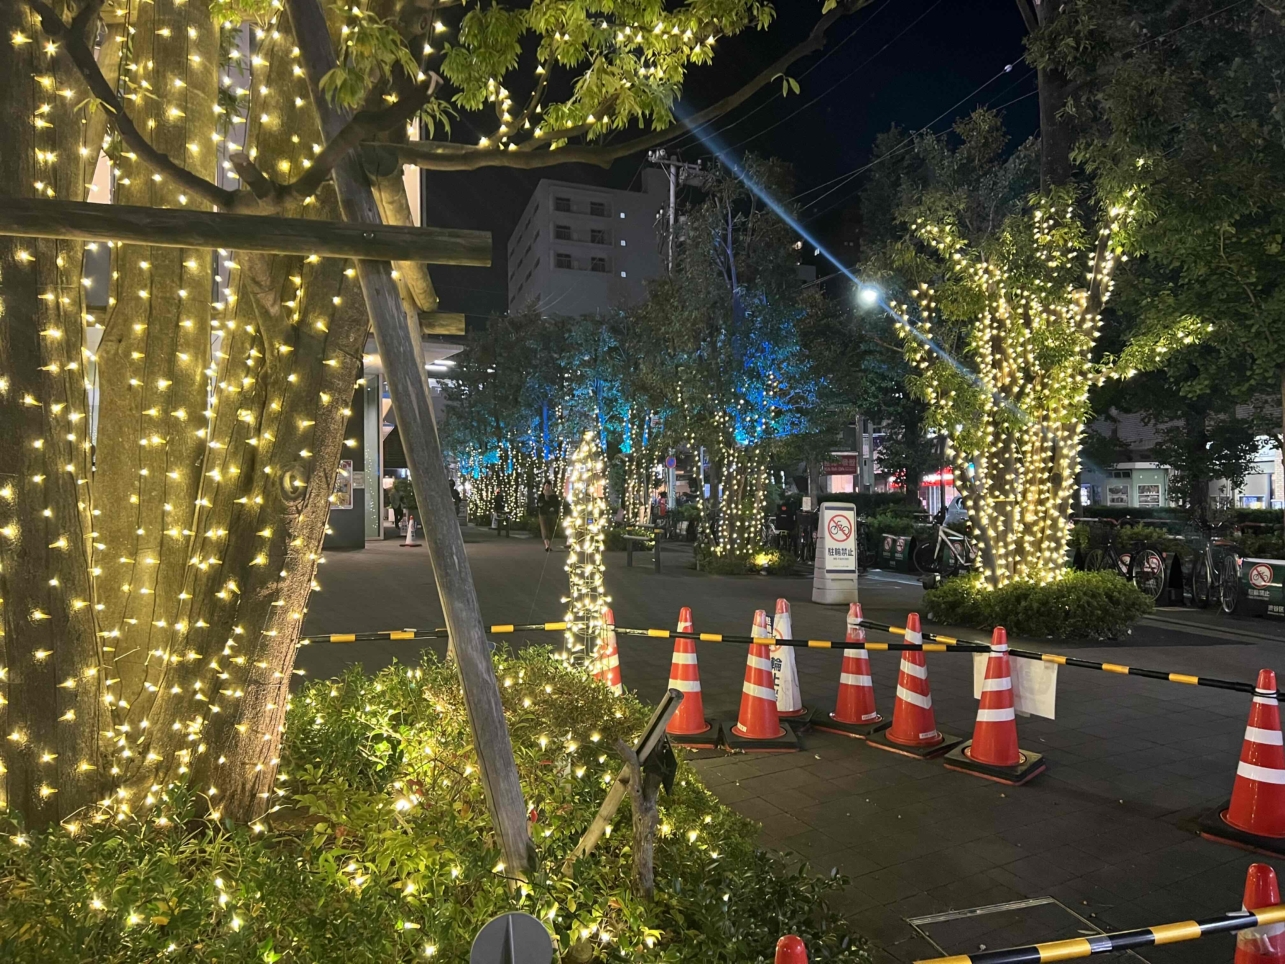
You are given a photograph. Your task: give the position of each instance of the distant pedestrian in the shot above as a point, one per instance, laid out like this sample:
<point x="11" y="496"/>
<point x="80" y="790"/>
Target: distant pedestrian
<point x="548" y="506"/>
<point x="455" y="497"/>
<point x="395" y="503"/>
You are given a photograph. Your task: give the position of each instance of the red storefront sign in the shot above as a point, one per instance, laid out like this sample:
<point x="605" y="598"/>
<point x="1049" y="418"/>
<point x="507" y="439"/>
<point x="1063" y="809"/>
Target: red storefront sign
<point x="846" y="465"/>
<point x="936" y="479"/>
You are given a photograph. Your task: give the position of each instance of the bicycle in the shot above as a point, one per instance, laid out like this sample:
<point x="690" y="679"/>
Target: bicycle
<point x="1145" y="568"/>
<point x="1208" y="568"/>
<point x="959" y="555"/>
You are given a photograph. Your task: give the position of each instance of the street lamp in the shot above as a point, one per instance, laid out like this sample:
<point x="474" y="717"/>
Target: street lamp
<point x="868" y="295"/>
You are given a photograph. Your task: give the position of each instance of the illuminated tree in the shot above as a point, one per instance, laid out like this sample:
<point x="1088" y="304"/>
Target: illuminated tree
<point x="584" y="520"/>
<point x="172" y="458"/>
<point x="1005" y="345"/>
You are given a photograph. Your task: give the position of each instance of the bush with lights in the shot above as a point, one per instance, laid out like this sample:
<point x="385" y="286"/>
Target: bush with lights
<point x="383" y="850"/>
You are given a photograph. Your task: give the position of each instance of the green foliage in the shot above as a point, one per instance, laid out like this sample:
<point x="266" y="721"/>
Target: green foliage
<point x="890" y="524"/>
<point x="235" y="11"/>
<point x="370" y="47"/>
<point x="407" y="492"/>
<point x="383" y="850"/>
<point x="1080" y="605"/>
<point x="776" y="562"/>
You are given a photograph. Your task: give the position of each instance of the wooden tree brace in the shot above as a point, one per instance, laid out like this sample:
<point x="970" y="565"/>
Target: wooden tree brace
<point x="180" y="228"/>
<point x="652" y="735"/>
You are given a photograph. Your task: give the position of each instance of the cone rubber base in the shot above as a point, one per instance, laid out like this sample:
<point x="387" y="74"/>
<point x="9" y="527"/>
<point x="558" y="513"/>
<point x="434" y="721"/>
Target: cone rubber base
<point x="801" y="721"/>
<point x="1031" y="766"/>
<point x="879" y="739"/>
<point x="706" y="739"/>
<point x="787" y="742"/>
<point x="858" y="731"/>
<point x="1213" y="827"/>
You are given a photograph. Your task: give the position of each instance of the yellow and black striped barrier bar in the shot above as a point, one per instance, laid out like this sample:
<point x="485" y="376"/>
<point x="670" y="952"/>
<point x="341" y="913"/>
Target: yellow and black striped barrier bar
<point x="497" y="629"/>
<point x="1077" y="947"/>
<point x="971" y="645"/>
<point x="933" y="643"/>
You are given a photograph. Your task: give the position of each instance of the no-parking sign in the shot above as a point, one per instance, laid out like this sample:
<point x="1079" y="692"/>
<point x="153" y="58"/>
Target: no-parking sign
<point x="839" y="537"/>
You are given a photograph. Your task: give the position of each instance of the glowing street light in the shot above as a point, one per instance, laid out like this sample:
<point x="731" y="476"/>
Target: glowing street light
<point x="868" y="295"/>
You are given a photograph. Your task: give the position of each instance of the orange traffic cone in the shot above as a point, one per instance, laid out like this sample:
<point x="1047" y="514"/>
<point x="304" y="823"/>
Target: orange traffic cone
<point x="1255" y="817"/>
<point x="605" y="664"/>
<point x="914" y="727"/>
<point x="785" y="673"/>
<point x="688" y="726"/>
<point x="790" y="949"/>
<point x="854" y="713"/>
<point x="759" y="727"/>
<point x="992" y="753"/>
<point x="1261" y="945"/>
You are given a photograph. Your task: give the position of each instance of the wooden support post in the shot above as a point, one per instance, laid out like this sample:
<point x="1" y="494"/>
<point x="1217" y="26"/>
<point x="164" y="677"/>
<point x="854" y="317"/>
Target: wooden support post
<point x="401" y="351"/>
<point x="652" y="734"/>
<point x="644" y="788"/>
<point x="177" y="228"/>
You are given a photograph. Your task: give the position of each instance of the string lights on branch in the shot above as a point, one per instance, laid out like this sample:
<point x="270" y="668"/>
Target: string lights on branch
<point x="585" y="520"/>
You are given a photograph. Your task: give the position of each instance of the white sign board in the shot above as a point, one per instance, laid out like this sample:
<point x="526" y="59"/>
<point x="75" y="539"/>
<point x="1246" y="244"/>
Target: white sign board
<point x="838" y="529"/>
<point x="1034" y="684"/>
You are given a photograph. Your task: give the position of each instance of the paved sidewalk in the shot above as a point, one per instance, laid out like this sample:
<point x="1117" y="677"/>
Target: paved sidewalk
<point x="1108" y="831"/>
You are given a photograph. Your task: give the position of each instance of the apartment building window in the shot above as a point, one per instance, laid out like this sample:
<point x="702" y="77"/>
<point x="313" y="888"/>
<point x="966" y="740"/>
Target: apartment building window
<point x="562" y="232"/>
<point x="598" y="264"/>
<point x="563" y="260"/>
<point x="597" y="236"/>
<point x="562" y="204"/>
<point x="598" y="209"/>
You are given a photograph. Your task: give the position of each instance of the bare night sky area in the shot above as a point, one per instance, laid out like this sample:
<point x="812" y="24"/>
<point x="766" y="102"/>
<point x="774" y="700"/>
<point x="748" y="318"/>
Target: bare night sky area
<point x="896" y="61"/>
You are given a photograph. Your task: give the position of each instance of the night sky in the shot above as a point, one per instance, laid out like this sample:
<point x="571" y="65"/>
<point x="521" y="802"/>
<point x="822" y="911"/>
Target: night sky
<point x="896" y="61"/>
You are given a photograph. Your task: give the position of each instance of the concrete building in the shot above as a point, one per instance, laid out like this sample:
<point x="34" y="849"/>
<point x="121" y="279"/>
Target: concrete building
<point x="579" y="249"/>
<point x="1139" y="481"/>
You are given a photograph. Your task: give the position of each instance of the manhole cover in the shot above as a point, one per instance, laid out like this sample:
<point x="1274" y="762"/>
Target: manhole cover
<point x="1014" y="924"/>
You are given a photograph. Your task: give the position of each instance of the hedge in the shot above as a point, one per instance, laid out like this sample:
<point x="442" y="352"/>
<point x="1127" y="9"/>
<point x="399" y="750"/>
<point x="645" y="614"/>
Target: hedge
<point x="1080" y="605"/>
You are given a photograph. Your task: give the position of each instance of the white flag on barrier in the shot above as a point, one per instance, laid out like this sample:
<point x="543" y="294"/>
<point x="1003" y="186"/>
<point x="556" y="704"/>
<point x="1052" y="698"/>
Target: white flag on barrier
<point x="1034" y="684"/>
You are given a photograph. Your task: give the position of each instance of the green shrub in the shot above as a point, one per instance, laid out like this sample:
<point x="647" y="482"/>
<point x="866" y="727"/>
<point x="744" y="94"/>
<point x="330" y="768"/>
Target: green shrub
<point x="891" y="524"/>
<point x="1261" y="546"/>
<point x="1079" y="605"/>
<point x="872" y="503"/>
<point x="778" y="562"/>
<point x="383" y="852"/>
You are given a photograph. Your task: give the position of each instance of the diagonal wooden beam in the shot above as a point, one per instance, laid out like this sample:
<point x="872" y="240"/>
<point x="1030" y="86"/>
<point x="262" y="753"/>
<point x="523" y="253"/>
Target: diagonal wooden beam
<point x="179" y="228"/>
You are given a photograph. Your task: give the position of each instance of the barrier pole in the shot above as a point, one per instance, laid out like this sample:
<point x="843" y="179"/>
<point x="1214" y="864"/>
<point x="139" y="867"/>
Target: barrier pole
<point x="1078" y="947"/>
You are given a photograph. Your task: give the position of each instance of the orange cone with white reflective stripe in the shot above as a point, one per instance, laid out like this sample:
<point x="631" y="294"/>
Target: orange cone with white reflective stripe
<point x="688" y="726"/>
<point x="606" y="658"/>
<point x="913" y="721"/>
<point x="1255" y="816"/>
<point x="758" y="726"/>
<point x="1261" y="945"/>
<point x="995" y="734"/>
<point x="914" y="726"/>
<point x="854" y="712"/>
<point x="1258" y="797"/>
<point x="993" y="750"/>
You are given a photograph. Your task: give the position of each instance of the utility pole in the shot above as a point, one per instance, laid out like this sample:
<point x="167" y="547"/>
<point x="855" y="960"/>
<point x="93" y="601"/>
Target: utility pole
<point x="679" y="172"/>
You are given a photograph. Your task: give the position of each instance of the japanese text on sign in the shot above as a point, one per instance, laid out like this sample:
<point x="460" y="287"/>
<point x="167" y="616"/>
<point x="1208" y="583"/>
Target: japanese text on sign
<point x="838" y="528"/>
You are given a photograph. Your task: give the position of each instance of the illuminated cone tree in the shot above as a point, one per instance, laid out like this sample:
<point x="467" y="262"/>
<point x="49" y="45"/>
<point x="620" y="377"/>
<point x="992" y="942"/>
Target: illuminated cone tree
<point x="584" y="520"/>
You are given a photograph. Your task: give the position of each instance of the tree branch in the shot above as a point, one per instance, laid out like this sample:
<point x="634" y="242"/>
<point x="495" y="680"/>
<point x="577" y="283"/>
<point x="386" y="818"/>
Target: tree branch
<point x="464" y="157"/>
<point x="82" y="57"/>
<point x="363" y="125"/>
<point x="1028" y="16"/>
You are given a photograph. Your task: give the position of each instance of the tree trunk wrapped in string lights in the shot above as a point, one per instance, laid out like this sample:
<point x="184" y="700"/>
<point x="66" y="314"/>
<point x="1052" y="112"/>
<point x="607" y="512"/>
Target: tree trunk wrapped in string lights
<point x="584" y="521"/>
<point x="1004" y="347"/>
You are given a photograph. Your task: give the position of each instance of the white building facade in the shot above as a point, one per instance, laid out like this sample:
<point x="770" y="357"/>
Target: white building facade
<point x="580" y="249"/>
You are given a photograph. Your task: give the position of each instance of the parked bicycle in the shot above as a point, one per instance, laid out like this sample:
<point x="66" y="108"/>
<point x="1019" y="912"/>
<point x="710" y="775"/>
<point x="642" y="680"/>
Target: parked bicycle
<point x="1143" y="567"/>
<point x="952" y="552"/>
<point x="1215" y="575"/>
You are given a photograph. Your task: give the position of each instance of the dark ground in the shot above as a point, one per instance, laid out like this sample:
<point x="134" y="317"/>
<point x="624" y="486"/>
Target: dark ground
<point x="1108" y="831"/>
